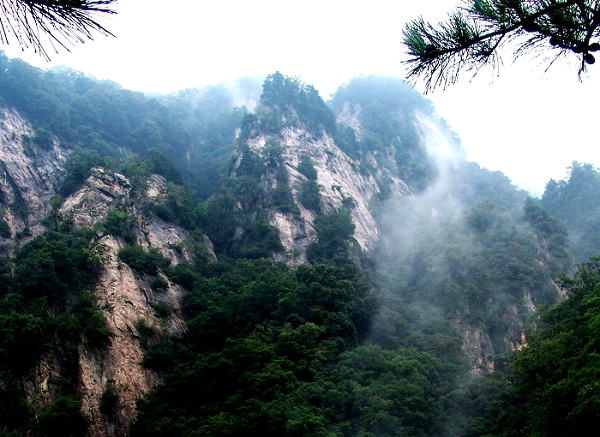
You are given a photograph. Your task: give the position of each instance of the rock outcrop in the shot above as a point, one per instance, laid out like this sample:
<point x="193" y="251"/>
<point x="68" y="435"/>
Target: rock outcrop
<point x="29" y="178"/>
<point x="339" y="178"/>
<point x="125" y="298"/>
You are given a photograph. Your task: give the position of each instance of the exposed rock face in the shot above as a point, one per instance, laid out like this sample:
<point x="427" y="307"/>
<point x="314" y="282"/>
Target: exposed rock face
<point x="102" y="191"/>
<point x="338" y="176"/>
<point x="478" y="346"/>
<point x="29" y="176"/>
<point x="125" y="298"/>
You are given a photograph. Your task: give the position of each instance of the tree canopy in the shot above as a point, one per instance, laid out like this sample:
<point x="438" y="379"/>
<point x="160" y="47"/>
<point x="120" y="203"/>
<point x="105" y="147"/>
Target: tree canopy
<point x="61" y="21"/>
<point x="473" y="34"/>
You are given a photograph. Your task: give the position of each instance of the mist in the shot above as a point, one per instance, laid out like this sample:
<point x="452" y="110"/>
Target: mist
<point x="459" y="262"/>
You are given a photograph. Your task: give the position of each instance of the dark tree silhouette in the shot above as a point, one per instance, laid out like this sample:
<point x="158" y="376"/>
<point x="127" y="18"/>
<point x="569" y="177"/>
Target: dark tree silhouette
<point x="472" y="35"/>
<point x="61" y="22"/>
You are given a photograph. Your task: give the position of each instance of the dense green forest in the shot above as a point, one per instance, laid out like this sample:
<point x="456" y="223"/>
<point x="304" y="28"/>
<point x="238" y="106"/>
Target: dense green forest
<point x="347" y="345"/>
<point x="576" y="203"/>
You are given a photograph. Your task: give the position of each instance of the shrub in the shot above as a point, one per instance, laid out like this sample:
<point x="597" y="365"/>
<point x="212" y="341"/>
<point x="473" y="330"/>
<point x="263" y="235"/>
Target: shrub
<point x="4" y="229"/>
<point x="143" y="261"/>
<point x="43" y="138"/>
<point x="309" y="196"/>
<point x="160" y="356"/>
<point x="307" y="168"/>
<point x="119" y="224"/>
<point x="109" y="399"/>
<point x="63" y="418"/>
<point x="162" y="309"/>
<point x="159" y="284"/>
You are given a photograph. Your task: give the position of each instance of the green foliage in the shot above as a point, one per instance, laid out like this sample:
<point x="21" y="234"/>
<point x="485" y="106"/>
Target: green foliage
<point x="388" y="111"/>
<point x="160" y="356"/>
<point x="221" y="220"/>
<point x="348" y="202"/>
<point x="119" y="224"/>
<point x="146" y="332"/>
<point x="109" y="399"/>
<point x="387" y="393"/>
<point x="553" y="386"/>
<point x="143" y="261"/>
<point x="23" y="339"/>
<point x="345" y="139"/>
<point x="91" y="321"/>
<point x="62" y="418"/>
<point x="136" y="170"/>
<point x="260" y="240"/>
<point x="15" y="411"/>
<point x="159" y="163"/>
<point x="310" y="352"/>
<point x="472" y="256"/>
<point x="309" y="192"/>
<point x="195" y="129"/>
<point x="557" y="371"/>
<point x="78" y="166"/>
<point x="162" y="309"/>
<point x="553" y="232"/>
<point x="43" y="139"/>
<point x="159" y="284"/>
<point x="258" y="341"/>
<point x="287" y="98"/>
<point x="577" y="203"/>
<point x="334" y="233"/>
<point x="473" y="35"/>
<point x="309" y="196"/>
<point x="44" y="309"/>
<point x="307" y="168"/>
<point x="5" y="231"/>
<point x="179" y="207"/>
<point x="282" y="197"/>
<point x="51" y="265"/>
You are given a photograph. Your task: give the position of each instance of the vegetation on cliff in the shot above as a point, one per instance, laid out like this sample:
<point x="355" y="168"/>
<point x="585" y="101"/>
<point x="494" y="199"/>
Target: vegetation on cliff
<point x="349" y="345"/>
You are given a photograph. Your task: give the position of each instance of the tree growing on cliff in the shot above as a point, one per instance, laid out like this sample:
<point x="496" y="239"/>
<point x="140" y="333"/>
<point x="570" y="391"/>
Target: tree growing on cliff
<point x="62" y="22"/>
<point x="473" y="34"/>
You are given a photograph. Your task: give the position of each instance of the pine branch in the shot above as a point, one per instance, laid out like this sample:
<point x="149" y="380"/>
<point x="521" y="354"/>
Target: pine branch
<point x="472" y="35"/>
<point x="62" y="22"/>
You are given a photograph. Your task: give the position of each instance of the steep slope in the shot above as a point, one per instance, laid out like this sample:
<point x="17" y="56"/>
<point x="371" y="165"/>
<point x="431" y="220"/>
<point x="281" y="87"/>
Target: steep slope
<point x="576" y="202"/>
<point x="477" y="258"/>
<point x="30" y="171"/>
<point x="455" y="259"/>
<point x="293" y="128"/>
<point x="425" y="233"/>
<point x="125" y="297"/>
<point x="339" y="181"/>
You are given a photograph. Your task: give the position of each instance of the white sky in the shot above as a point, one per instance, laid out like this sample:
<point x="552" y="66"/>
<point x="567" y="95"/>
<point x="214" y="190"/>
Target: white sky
<point x="527" y="124"/>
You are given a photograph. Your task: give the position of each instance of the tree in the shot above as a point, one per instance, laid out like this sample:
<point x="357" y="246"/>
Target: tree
<point x="473" y="34"/>
<point x="61" y="21"/>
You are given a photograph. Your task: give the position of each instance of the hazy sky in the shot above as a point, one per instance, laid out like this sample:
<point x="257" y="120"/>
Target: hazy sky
<point x="526" y="123"/>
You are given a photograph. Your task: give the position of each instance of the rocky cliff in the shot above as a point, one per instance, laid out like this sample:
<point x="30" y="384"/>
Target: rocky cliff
<point x="125" y="297"/>
<point x="366" y="175"/>
<point x="30" y="178"/>
<point x="339" y="178"/>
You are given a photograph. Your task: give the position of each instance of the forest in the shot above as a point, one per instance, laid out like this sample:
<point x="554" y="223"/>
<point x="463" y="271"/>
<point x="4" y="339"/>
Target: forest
<point x="352" y="342"/>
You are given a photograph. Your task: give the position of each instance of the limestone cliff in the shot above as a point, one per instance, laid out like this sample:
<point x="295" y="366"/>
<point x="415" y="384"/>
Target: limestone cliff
<point x="125" y="297"/>
<point x="339" y="177"/>
<point x="29" y="177"/>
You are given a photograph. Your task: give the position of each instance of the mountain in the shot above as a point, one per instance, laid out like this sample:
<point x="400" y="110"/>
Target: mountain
<point x="175" y="265"/>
